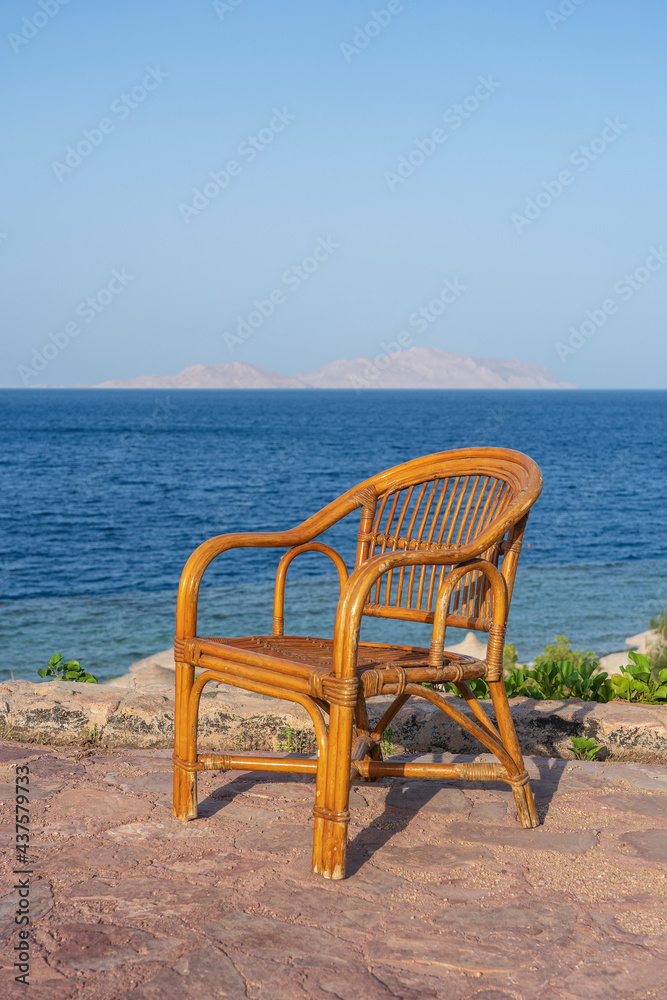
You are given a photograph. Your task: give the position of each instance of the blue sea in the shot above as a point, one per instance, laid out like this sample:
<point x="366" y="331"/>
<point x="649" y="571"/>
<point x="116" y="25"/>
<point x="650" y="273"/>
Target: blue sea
<point x="106" y="493"/>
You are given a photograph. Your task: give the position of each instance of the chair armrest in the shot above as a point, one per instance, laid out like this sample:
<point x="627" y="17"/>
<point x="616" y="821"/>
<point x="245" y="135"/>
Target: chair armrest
<point x="279" y="592"/>
<point x="354" y="594"/>
<point x="499" y="609"/>
<point x="203" y="556"/>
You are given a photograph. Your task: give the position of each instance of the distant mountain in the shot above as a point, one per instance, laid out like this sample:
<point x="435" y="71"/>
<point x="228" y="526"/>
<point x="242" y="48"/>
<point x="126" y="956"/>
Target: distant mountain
<point x="414" y="368"/>
<point x="237" y="375"/>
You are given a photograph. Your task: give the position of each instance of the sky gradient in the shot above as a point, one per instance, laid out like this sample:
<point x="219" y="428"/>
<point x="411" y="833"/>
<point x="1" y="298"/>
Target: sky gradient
<point x="172" y="168"/>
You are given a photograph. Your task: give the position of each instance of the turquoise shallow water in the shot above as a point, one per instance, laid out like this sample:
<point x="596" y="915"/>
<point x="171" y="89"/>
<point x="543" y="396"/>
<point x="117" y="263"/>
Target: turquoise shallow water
<point x="107" y="492"/>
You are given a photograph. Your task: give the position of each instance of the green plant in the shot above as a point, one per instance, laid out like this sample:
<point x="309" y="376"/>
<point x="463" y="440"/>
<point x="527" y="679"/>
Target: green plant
<point x="387" y="742"/>
<point x="67" y="670"/>
<point x="562" y="650"/>
<point x="286" y="739"/>
<point x="585" y="748"/>
<point x="91" y="735"/>
<point x="293" y="740"/>
<point x="477" y="685"/>
<point x="559" y="679"/>
<point x="579" y="676"/>
<point x="637" y="683"/>
<point x="550" y="680"/>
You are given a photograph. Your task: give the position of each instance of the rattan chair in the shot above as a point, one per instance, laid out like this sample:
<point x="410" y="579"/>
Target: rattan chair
<point x="438" y="542"/>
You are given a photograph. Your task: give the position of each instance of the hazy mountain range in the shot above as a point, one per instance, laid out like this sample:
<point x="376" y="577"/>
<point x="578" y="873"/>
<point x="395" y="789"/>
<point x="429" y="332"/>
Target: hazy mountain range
<point x="414" y="368"/>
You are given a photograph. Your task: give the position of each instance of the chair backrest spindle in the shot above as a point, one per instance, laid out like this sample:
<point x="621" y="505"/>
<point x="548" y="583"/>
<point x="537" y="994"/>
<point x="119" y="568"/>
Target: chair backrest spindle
<point x="445" y="502"/>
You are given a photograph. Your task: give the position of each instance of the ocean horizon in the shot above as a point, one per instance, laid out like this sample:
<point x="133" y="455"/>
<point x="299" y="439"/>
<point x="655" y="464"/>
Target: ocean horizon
<point x="107" y="492"/>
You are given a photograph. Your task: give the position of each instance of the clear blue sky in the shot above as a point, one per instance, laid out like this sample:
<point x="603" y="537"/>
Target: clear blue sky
<point x="179" y="88"/>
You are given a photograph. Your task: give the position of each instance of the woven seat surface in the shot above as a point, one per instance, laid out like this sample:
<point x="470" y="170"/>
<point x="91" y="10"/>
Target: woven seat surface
<point x="319" y="653"/>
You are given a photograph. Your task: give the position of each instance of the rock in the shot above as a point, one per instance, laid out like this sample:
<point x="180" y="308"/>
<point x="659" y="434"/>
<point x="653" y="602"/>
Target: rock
<point x="641" y="805"/>
<point x="645" y="642"/>
<point x="43" y="790"/>
<point x="541" y="925"/>
<point x="437" y="859"/>
<point x="41" y="901"/>
<point x="438" y="906"/>
<point x="426" y="949"/>
<point x="98" y="947"/>
<point x="428" y="795"/>
<point x="142" y="720"/>
<point x="489" y="812"/>
<point x="207" y="973"/>
<point x="255" y="934"/>
<point x="156" y="829"/>
<point x="11" y="754"/>
<point x="59" y="712"/>
<point x="104" y="858"/>
<point x="469" y="646"/>
<point x="143" y="678"/>
<point x="530" y="840"/>
<point x="160" y="782"/>
<point x="278" y="838"/>
<point x="100" y="809"/>
<point x="164" y="659"/>
<point x="647" y="844"/>
<point x="243" y="812"/>
<point x="613" y="662"/>
<point x="122" y="715"/>
<point x="149" y="890"/>
<point x="494" y="995"/>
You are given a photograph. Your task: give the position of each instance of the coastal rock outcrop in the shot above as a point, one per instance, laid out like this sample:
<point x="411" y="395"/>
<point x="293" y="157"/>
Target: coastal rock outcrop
<point x="137" y="710"/>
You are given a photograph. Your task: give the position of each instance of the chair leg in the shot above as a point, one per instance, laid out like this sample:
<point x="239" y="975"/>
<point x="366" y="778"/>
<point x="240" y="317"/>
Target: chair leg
<point x="318" y="824"/>
<point x="525" y="806"/>
<point x="185" y="745"/>
<point x="523" y="794"/>
<point x="363" y="728"/>
<point x="335" y="812"/>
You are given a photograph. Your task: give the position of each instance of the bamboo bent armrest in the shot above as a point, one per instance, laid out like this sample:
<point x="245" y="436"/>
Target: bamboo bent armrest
<point x="360" y="583"/>
<point x="203" y="556"/>
<point x="499" y="609"/>
<point x="281" y="573"/>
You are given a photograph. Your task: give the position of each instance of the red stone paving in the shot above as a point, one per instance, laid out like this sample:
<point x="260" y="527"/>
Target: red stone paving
<point x="446" y="898"/>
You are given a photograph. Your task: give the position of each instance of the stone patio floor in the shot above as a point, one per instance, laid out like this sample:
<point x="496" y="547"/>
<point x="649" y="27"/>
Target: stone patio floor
<point x="446" y="896"/>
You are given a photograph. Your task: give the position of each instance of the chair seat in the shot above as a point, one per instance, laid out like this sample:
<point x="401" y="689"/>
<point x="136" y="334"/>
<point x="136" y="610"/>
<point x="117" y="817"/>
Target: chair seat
<point x="380" y="667"/>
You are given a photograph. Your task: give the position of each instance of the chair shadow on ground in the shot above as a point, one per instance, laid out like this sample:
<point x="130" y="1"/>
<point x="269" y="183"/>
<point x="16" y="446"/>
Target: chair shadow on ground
<point x="395" y="818"/>
<point x="219" y="798"/>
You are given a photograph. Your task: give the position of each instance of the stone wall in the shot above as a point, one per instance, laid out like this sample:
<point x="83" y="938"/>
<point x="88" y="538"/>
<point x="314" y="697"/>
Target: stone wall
<point x="138" y="711"/>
